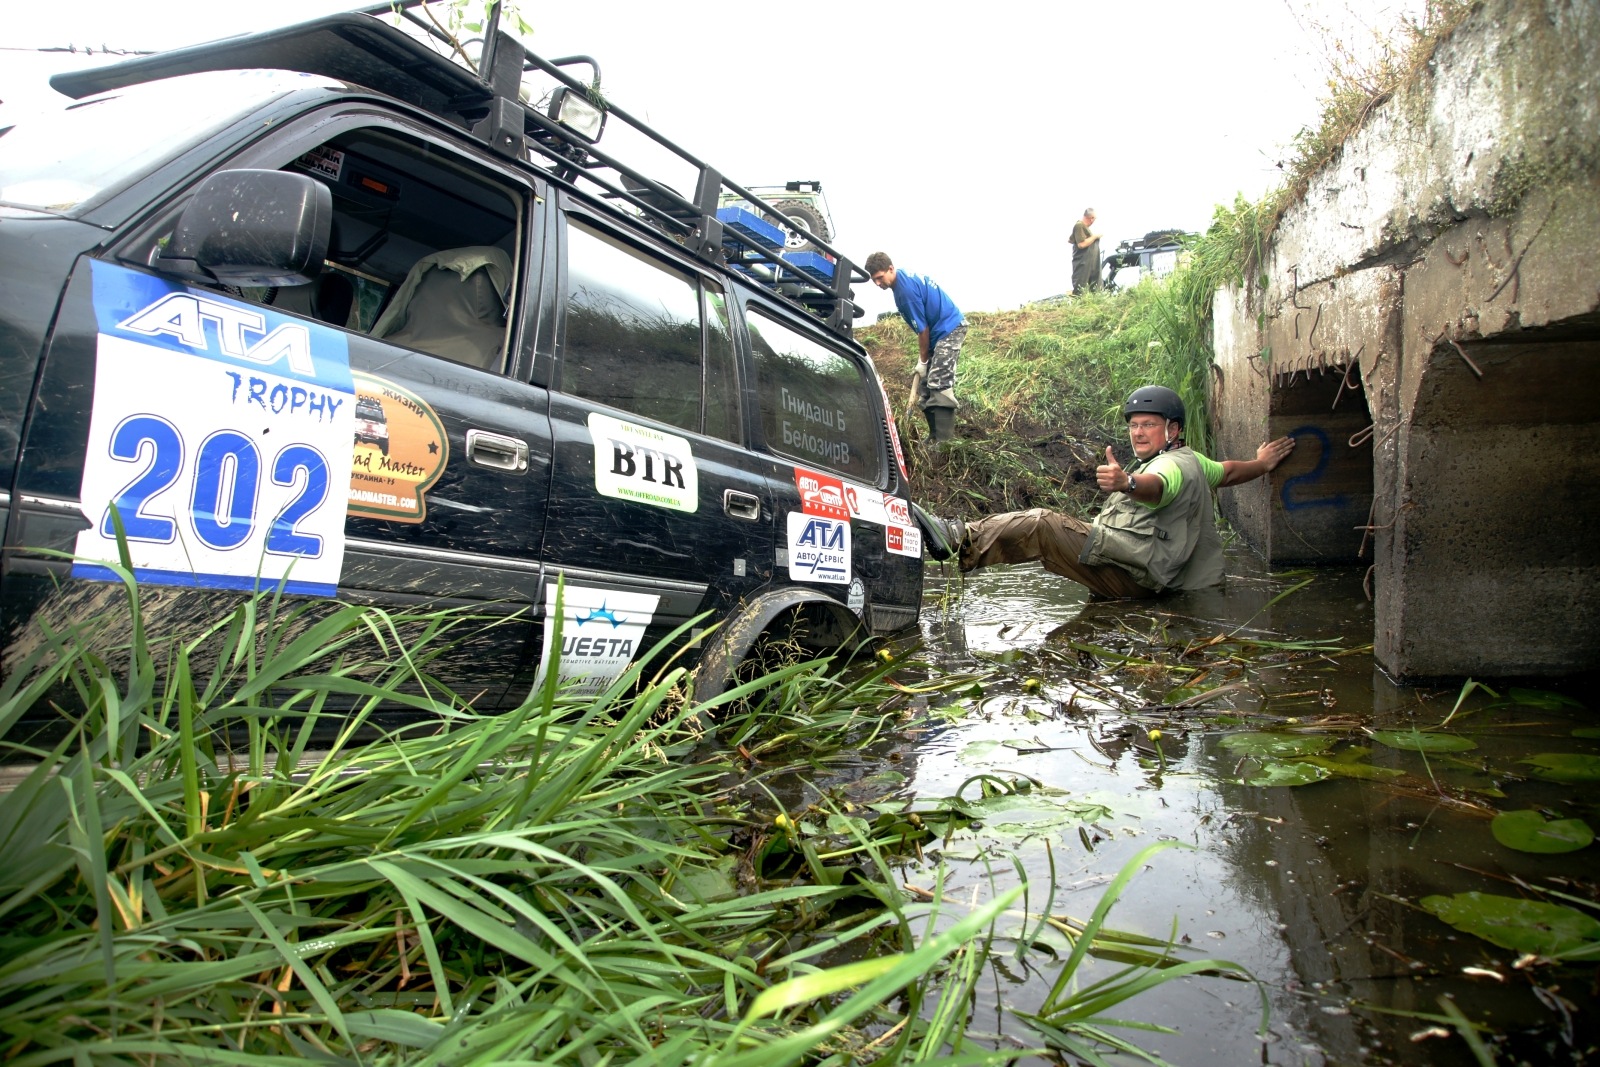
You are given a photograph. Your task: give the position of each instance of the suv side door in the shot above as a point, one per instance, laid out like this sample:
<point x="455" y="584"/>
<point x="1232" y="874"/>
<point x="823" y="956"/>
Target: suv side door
<point x="185" y="399"/>
<point x="653" y="490"/>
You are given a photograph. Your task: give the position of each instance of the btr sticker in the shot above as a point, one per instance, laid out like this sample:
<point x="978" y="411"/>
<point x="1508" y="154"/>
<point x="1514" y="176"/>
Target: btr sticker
<point x="819" y="549"/>
<point x="399" y="449"/>
<point x="217" y="440"/>
<point x="642" y="464"/>
<point x="601" y="631"/>
<point x="820" y="494"/>
<point x="903" y="540"/>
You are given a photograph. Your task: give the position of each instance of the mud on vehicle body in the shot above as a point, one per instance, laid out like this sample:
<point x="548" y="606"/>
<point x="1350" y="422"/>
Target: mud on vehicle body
<point x="319" y="309"/>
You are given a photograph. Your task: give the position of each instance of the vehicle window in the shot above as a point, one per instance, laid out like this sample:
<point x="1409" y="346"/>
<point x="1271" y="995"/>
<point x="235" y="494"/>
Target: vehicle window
<point x="63" y="158"/>
<point x="646" y="338"/>
<point x="814" y="402"/>
<point x="423" y="249"/>
<point x="722" y="375"/>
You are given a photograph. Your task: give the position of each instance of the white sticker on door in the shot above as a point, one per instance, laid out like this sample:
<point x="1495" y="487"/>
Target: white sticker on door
<point x="600" y="635"/>
<point x="220" y="437"/>
<point x="643" y="464"/>
<point x="819" y="549"/>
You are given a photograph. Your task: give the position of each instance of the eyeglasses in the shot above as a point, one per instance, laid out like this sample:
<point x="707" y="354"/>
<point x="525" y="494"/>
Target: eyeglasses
<point x="1146" y="424"/>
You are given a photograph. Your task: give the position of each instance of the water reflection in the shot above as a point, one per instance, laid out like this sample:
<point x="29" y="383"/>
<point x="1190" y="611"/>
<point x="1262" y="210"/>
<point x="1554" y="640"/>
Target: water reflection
<point x="1316" y="889"/>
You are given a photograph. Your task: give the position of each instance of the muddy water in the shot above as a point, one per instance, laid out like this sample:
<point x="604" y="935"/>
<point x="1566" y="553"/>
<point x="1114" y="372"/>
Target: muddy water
<point x="1313" y="888"/>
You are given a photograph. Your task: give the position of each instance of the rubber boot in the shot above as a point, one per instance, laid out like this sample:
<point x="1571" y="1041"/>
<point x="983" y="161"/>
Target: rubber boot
<point x="941" y="423"/>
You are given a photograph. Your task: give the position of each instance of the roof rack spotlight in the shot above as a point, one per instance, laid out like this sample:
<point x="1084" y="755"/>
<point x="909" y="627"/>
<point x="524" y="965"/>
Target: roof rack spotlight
<point x="577" y="113"/>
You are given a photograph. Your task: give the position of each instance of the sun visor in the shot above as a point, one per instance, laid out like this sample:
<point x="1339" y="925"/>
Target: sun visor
<point x="349" y="47"/>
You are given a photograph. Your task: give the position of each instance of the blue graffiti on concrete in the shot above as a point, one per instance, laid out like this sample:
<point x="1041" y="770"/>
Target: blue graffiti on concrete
<point x="1312" y="476"/>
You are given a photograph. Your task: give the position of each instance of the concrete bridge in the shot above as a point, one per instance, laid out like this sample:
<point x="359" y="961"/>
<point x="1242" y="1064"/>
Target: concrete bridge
<point x="1427" y="323"/>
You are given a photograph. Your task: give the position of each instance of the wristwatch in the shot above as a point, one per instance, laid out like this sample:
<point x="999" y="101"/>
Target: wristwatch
<point x="1130" y="488"/>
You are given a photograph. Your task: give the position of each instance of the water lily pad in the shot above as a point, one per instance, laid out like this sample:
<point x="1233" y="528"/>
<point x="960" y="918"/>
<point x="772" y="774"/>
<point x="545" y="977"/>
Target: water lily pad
<point x="1287" y="772"/>
<point x="1350" y="769"/>
<point x="1515" y="924"/>
<point x="1565" y="767"/>
<point x="1587" y="731"/>
<point x="1542" y="698"/>
<point x="1279" y="745"/>
<point x="1528" y="831"/>
<point x="1417" y="741"/>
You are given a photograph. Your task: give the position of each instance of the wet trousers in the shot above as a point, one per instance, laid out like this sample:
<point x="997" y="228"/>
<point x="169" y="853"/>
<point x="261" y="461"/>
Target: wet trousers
<point x="1054" y="540"/>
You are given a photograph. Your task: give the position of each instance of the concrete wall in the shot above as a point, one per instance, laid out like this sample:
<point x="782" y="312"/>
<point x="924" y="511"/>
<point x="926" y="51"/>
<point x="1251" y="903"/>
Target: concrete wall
<point x="1430" y="331"/>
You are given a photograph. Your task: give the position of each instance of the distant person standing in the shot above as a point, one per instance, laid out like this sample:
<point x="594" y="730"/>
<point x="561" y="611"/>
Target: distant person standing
<point x="940" y="329"/>
<point x="1085" y="254"/>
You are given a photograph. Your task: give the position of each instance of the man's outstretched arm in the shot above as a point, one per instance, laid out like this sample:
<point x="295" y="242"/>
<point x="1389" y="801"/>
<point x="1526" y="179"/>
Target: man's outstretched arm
<point x="1268" y="456"/>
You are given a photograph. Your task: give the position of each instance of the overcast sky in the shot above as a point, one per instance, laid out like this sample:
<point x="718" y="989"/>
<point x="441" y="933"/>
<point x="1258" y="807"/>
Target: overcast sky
<point x="964" y="140"/>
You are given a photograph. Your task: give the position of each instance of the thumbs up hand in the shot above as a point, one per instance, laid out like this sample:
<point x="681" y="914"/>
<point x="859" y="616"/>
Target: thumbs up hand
<point x="1110" y="476"/>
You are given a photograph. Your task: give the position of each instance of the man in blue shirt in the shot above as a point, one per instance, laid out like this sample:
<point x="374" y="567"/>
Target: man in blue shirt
<point x="940" y="329"/>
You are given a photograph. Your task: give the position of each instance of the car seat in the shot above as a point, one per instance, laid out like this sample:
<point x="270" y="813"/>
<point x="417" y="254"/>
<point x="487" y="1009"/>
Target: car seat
<point x="453" y="304"/>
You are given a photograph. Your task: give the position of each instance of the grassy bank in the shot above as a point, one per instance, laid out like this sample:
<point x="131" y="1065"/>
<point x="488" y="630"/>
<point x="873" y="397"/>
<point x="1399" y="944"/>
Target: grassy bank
<point x="213" y="865"/>
<point x="1042" y="387"/>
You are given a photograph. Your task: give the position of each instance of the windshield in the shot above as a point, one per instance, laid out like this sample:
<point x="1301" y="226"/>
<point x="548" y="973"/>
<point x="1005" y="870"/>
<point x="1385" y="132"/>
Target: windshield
<point x="63" y="158"/>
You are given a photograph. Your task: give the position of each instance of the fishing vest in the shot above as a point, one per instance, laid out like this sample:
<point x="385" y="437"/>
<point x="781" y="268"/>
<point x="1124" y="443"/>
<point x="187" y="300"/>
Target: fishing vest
<point x="1175" y="547"/>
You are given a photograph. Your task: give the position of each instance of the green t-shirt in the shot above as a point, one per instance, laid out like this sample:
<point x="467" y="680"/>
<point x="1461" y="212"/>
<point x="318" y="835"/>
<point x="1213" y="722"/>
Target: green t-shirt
<point x="1171" y="475"/>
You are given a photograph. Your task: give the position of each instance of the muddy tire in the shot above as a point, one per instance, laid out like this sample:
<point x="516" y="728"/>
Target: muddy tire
<point x="803" y="214"/>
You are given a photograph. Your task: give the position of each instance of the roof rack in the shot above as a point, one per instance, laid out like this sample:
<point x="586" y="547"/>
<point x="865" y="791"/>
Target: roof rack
<point x="429" y="69"/>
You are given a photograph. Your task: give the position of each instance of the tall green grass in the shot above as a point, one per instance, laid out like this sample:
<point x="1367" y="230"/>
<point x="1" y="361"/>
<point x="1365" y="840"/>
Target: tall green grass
<point x="228" y="858"/>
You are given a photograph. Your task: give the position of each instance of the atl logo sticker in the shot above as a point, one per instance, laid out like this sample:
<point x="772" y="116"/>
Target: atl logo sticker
<point x="819" y="549"/>
<point x="820" y="494"/>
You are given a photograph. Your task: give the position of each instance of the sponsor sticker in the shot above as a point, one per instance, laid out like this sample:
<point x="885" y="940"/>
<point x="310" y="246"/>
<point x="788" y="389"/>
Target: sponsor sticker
<point x="865" y="504"/>
<point x="400" y="449"/>
<point x="219" y="435"/>
<point x="897" y="510"/>
<point x="894" y="431"/>
<point x="643" y="464"/>
<point x="857" y="598"/>
<point x="820" y="494"/>
<point x="601" y="631"/>
<point x="819" y="549"/>
<point x="903" y="540"/>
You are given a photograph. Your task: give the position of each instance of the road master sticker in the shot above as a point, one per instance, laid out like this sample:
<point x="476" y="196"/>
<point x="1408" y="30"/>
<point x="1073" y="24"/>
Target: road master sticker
<point x="641" y="464"/>
<point x="819" y="549"/>
<point x="601" y="631"/>
<point x="219" y="438"/>
<point x="399" y="450"/>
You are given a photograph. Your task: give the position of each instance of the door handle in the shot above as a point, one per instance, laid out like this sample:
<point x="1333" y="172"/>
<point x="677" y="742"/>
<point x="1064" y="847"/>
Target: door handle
<point x="497" y="450"/>
<point x="739" y="505"/>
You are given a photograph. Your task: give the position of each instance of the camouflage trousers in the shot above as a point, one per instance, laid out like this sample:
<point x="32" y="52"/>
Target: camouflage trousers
<point x="938" y="388"/>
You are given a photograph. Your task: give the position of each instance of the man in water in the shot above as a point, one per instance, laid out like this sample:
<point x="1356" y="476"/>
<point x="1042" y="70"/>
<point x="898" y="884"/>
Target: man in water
<point x="1157" y="531"/>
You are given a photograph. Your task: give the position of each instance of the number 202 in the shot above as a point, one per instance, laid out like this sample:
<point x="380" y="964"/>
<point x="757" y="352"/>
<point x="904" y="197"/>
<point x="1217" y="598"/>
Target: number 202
<point x="226" y="489"/>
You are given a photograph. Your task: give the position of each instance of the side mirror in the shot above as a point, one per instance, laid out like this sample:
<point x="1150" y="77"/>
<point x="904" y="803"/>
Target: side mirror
<point x="252" y="228"/>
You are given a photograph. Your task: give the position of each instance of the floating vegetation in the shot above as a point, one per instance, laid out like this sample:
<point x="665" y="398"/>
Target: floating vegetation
<point x="1570" y="767"/>
<point x="1414" y="740"/>
<point x="1553" y="931"/>
<point x="1530" y="831"/>
<point x="1276" y="745"/>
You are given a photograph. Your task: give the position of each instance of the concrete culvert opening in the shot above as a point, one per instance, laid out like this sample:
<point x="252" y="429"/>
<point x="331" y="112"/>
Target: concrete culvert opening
<point x="1323" y="492"/>
<point x="1494" y="539"/>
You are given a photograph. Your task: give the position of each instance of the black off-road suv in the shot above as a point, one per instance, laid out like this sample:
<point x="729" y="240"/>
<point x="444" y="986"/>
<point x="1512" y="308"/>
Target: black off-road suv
<point x="322" y="309"/>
